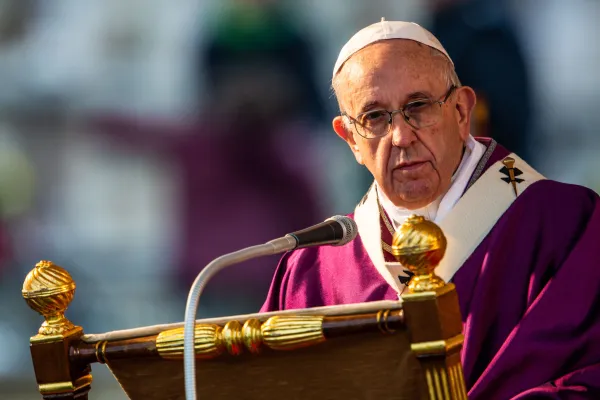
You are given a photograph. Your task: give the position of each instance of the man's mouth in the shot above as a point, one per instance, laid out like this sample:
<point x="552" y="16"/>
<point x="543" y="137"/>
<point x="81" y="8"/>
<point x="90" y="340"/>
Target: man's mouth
<point x="410" y="166"/>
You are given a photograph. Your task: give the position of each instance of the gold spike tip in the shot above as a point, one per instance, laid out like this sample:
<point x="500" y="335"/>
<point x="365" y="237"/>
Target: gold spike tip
<point x="48" y="289"/>
<point x="419" y="245"/>
<point x="509" y="162"/>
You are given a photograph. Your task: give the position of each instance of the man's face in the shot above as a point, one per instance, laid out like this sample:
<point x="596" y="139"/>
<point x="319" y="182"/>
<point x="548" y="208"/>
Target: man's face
<point x="412" y="166"/>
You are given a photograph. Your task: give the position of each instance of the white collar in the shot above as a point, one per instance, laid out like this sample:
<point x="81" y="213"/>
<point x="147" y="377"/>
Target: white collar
<point x="440" y="207"/>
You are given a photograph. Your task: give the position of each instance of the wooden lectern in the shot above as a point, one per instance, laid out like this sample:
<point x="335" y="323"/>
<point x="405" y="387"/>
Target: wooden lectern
<point x="408" y="349"/>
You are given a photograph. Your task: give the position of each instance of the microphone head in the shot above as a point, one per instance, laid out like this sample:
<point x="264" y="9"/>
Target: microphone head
<point x="349" y="227"/>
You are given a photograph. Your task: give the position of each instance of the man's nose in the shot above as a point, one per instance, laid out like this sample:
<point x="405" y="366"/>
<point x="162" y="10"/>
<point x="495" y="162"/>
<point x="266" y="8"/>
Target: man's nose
<point x="403" y="134"/>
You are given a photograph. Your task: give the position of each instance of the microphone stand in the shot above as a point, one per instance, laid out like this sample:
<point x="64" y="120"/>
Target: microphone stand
<point x="189" y="361"/>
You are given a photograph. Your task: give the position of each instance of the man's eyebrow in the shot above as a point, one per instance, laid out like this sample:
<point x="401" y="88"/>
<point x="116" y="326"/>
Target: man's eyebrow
<point x="374" y="104"/>
<point x="419" y="95"/>
<point x="370" y="105"/>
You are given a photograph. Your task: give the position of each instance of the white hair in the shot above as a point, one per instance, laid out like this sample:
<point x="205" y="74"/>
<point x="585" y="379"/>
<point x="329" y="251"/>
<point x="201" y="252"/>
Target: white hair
<point x="448" y="71"/>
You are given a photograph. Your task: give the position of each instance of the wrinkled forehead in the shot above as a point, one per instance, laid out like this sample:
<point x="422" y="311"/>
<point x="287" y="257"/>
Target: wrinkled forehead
<point x="396" y="67"/>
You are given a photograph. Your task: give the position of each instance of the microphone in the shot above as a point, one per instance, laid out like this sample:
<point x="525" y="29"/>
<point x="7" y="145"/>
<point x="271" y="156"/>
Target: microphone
<point x="336" y="231"/>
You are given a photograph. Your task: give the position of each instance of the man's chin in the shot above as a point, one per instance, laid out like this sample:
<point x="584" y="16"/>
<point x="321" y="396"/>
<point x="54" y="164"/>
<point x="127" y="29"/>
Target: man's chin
<point x="415" y="197"/>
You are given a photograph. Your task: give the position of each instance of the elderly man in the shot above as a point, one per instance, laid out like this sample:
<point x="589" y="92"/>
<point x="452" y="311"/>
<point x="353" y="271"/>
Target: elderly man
<point x="523" y="251"/>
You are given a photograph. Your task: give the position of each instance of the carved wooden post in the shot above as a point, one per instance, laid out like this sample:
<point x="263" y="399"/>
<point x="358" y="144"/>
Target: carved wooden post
<point x="48" y="289"/>
<point x="431" y="309"/>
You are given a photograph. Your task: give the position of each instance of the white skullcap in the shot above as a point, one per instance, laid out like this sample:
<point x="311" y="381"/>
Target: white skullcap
<point x="385" y="30"/>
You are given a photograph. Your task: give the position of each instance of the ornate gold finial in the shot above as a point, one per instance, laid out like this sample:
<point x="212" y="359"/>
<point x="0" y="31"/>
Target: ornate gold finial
<point x="48" y="289"/>
<point x="419" y="245"/>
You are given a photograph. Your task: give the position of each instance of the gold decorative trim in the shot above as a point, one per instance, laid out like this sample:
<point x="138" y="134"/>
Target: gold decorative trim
<point x="277" y="333"/>
<point x="231" y="337"/>
<point x="65" y="387"/>
<point x="101" y="351"/>
<point x="252" y="335"/>
<point x="386" y="320"/>
<point x="438" y="347"/>
<point x="292" y="332"/>
<point x="44" y="292"/>
<point x="208" y="342"/>
<point x="457" y="382"/>
<point x="379" y="322"/>
<point x="382" y="322"/>
<point x="445" y="383"/>
<point x="429" y="295"/>
<point x="37" y="339"/>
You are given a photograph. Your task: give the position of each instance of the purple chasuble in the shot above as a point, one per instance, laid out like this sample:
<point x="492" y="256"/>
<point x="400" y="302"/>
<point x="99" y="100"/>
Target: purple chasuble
<point x="529" y="294"/>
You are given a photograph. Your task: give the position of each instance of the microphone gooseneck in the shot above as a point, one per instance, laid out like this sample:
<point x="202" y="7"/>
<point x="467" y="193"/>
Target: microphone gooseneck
<point x="336" y="231"/>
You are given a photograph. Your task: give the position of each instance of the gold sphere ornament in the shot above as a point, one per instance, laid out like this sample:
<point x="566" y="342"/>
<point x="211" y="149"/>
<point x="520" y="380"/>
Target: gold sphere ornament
<point x="419" y="245"/>
<point x="49" y="289"/>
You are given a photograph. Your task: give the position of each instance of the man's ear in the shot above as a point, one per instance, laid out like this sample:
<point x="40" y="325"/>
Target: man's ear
<point x="465" y="104"/>
<point x="347" y="136"/>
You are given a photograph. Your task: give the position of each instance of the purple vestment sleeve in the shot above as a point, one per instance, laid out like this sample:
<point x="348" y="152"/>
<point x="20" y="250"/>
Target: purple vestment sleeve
<point x="531" y="302"/>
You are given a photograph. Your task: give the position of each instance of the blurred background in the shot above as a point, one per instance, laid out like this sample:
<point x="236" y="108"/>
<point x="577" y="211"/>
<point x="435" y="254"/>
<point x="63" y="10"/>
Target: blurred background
<point x="140" y="139"/>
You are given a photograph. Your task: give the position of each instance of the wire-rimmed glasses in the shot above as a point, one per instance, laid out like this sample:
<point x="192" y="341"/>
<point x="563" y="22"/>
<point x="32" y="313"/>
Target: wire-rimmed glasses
<point x="419" y="113"/>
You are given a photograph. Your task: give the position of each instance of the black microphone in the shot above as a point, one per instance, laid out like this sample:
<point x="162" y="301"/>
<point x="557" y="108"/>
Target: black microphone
<point x="336" y="231"/>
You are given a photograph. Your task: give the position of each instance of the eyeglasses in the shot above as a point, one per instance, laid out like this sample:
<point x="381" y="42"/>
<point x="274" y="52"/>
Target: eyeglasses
<point x="420" y="113"/>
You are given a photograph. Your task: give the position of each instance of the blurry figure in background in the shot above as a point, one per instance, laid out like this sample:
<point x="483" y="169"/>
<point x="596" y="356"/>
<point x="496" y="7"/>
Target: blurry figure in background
<point x="244" y="164"/>
<point x="256" y="63"/>
<point x="488" y="57"/>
